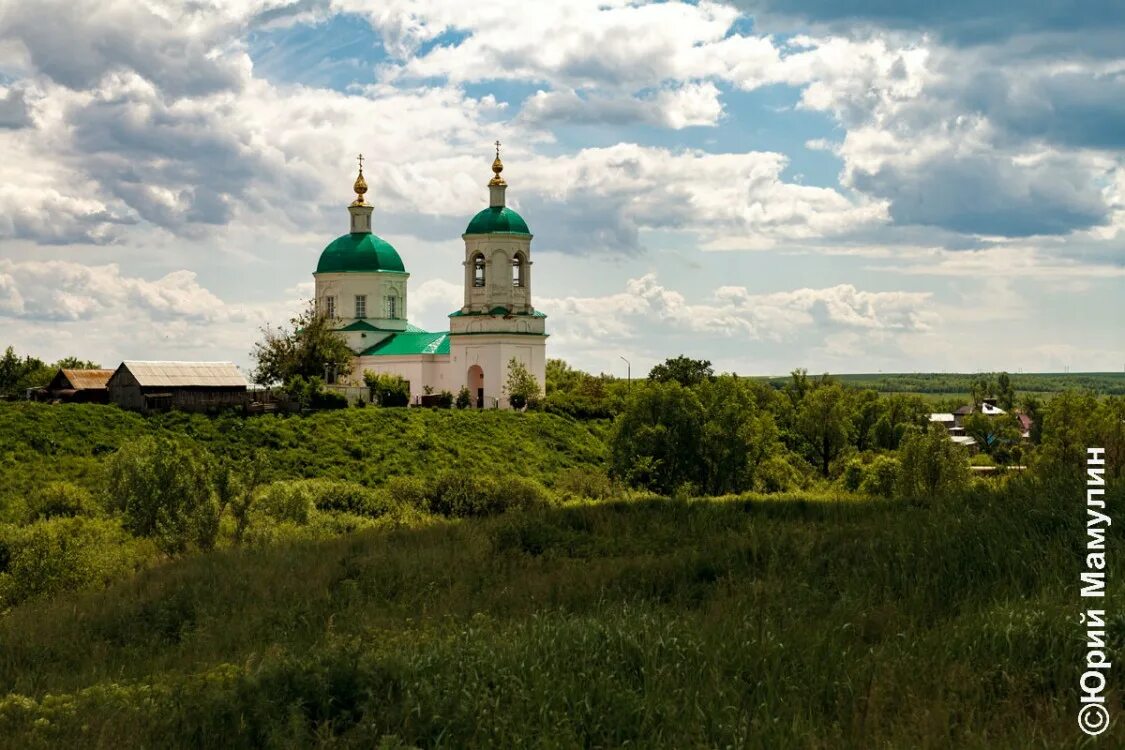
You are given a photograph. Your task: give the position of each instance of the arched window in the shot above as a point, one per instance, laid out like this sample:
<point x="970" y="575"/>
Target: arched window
<point x="392" y="306"/>
<point x="478" y="270"/>
<point x="519" y="270"/>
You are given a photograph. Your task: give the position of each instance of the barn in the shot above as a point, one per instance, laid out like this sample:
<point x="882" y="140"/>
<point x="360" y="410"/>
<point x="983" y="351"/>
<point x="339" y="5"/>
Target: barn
<point x="188" y="386"/>
<point x="82" y="386"/>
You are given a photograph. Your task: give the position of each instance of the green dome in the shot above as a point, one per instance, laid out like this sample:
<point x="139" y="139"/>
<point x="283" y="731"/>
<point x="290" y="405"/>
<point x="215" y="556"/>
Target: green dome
<point x="359" y="251"/>
<point x="497" y="220"/>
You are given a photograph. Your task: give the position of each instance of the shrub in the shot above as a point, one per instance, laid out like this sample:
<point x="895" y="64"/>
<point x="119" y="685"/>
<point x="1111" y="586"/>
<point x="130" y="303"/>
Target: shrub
<point x="345" y="497"/>
<point x="445" y="400"/>
<point x="464" y="398"/>
<point x="853" y="475"/>
<point x="981" y="459"/>
<point x="931" y="464"/>
<point x="291" y="501"/>
<point x="387" y="389"/>
<point x="584" y="483"/>
<point x="406" y="492"/>
<point x="461" y="495"/>
<point x="162" y="488"/>
<point x="776" y="474"/>
<point x="65" y="554"/>
<point x="60" y="500"/>
<point x="880" y="476"/>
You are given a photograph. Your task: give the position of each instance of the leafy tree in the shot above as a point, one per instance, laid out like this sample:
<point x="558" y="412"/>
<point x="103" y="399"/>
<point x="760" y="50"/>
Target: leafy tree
<point x="884" y="434"/>
<point x="980" y="389"/>
<point x="656" y="439"/>
<point x="824" y="422"/>
<point x="306" y="349"/>
<point x="387" y="389"/>
<point x="464" y="398"/>
<point x="17" y="375"/>
<point x="865" y="413"/>
<point x="74" y="363"/>
<point x="992" y="433"/>
<point x="236" y="483"/>
<point x="798" y="385"/>
<point x="737" y="436"/>
<point x="162" y="488"/>
<point x="931" y="464"/>
<point x="683" y="370"/>
<point x="1033" y="409"/>
<point x="522" y="387"/>
<point x="1005" y="393"/>
<point x="1068" y="430"/>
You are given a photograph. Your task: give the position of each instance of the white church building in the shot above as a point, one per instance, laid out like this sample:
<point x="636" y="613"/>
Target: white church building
<point x="361" y="283"/>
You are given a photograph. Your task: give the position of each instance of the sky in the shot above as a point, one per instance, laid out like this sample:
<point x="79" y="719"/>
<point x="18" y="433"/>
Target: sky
<point x="837" y="185"/>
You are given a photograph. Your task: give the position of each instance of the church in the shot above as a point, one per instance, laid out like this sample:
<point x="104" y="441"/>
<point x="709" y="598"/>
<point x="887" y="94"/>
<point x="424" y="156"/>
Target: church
<point x="362" y="284"/>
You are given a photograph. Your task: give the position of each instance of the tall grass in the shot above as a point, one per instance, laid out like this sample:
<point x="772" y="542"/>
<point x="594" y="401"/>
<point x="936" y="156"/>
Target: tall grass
<point x="740" y="622"/>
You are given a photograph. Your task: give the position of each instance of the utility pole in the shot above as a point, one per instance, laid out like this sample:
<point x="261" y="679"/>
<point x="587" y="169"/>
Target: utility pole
<point x="628" y="370"/>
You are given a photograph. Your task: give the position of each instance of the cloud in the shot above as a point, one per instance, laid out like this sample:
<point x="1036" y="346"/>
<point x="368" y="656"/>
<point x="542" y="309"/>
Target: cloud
<point x="14" y="110"/>
<point x="182" y="48"/>
<point x="680" y="107"/>
<point x="959" y="21"/>
<point x="733" y="312"/>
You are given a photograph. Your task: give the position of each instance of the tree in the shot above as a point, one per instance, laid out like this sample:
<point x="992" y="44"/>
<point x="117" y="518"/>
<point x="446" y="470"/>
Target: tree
<point x="1033" y="409"/>
<point x="1068" y="430"/>
<point x="798" y="385"/>
<point x="931" y="464"/>
<point x="74" y="363"/>
<point x="308" y="348"/>
<point x="992" y="433"/>
<point x="1005" y="393"/>
<point x="387" y="389"/>
<point x="522" y="387"/>
<point x="737" y="439"/>
<point x="163" y="490"/>
<point x="683" y="370"/>
<point x="823" y="421"/>
<point x="865" y="413"/>
<point x="17" y="375"/>
<point x="980" y="389"/>
<point x="656" y="439"/>
<point x="464" y="398"/>
<point x="236" y="485"/>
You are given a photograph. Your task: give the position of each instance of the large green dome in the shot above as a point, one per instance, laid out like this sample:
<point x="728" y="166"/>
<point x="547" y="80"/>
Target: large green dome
<point x="497" y="220"/>
<point x="359" y="251"/>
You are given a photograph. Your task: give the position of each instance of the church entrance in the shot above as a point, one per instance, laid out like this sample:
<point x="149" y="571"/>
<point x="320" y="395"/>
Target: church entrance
<point x="476" y="384"/>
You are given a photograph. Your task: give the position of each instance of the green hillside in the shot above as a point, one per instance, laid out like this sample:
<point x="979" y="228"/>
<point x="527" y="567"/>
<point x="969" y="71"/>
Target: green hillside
<point x="717" y="623"/>
<point x="40" y="443"/>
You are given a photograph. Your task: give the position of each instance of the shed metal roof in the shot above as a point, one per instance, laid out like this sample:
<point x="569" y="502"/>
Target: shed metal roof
<point x="87" y="379"/>
<point x="941" y="417"/>
<point x="185" y="374"/>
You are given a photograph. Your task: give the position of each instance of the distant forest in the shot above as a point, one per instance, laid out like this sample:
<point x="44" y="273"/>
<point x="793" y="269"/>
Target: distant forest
<point x="1105" y="383"/>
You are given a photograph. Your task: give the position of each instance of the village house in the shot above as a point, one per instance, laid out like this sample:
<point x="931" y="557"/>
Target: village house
<point x="188" y="386"/>
<point x="79" y="386"/>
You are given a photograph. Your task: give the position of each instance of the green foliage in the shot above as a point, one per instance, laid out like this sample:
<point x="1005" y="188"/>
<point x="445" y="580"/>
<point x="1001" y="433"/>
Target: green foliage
<point x="743" y="622"/>
<point x="656" y="441"/>
<point x="17" y="375"/>
<point x="458" y="495"/>
<point x="683" y="370"/>
<point x="521" y="386"/>
<point x="737" y="436"/>
<point x="291" y="501"/>
<point x="445" y="400"/>
<point x="881" y="476"/>
<point x="162" y="488"/>
<point x="823" y="420"/>
<point x="464" y="398"/>
<point x="309" y="348"/>
<point x="65" y="554"/>
<point x="60" y="500"/>
<point x="387" y="389"/>
<point x="932" y="465"/>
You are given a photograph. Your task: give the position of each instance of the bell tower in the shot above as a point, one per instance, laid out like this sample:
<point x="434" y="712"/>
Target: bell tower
<point x="497" y="321"/>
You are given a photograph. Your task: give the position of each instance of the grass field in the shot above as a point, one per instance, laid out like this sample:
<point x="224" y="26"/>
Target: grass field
<point x="736" y="622"/>
<point x="943" y="384"/>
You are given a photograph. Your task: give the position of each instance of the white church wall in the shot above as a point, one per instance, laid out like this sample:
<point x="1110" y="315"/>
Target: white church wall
<point x="375" y="286"/>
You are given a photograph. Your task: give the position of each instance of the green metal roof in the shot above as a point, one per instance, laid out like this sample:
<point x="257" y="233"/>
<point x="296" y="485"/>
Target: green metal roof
<point x="359" y="251"/>
<point x="358" y="325"/>
<point x="498" y="311"/>
<point x="498" y="220"/>
<point x="410" y="343"/>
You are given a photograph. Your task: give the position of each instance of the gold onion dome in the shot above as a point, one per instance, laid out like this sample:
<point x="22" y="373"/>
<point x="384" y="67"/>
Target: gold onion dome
<point x="360" y="185"/>
<point x="497" y="168"/>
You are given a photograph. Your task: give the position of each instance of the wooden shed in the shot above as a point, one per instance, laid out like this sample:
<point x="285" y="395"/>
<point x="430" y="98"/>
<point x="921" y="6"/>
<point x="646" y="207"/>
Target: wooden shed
<point x="84" y="386"/>
<point x="189" y="386"/>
